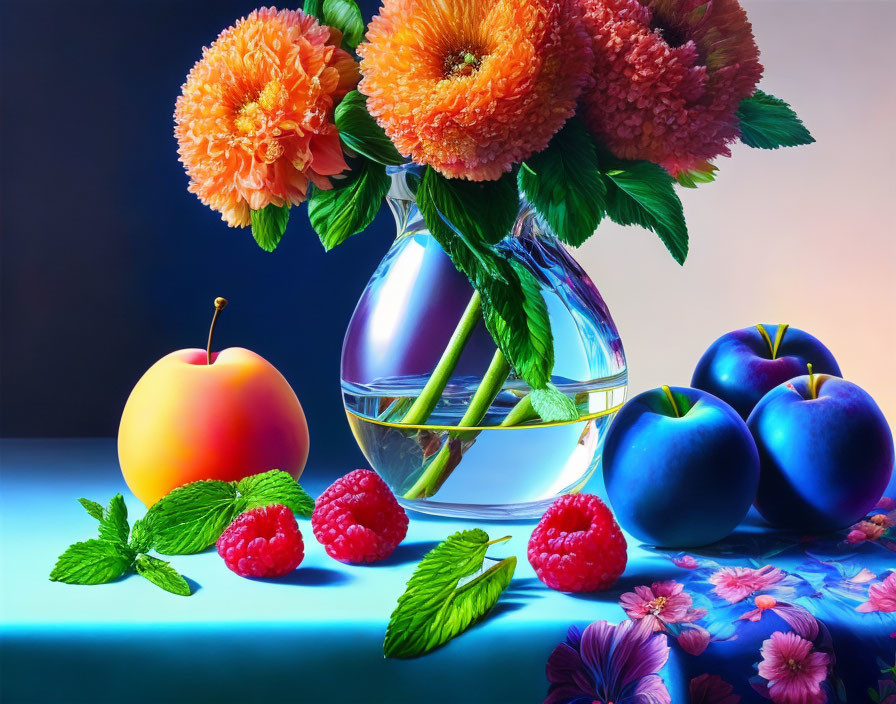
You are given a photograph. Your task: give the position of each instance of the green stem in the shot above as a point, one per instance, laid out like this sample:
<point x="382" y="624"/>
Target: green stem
<point x="668" y="392"/>
<point x="520" y="413"/>
<point x="426" y="402"/>
<point x="438" y="469"/>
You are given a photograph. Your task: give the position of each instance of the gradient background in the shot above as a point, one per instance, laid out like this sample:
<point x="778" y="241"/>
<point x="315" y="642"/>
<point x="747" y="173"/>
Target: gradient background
<point x="108" y="263"/>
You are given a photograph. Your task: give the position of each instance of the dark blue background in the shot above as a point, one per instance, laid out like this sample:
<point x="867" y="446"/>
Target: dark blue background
<point x="107" y="262"/>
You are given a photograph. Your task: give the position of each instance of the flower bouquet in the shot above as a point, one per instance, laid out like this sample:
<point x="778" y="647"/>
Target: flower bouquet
<point x="481" y="367"/>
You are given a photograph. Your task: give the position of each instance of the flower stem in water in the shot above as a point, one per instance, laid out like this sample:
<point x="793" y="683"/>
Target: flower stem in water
<point x="441" y="466"/>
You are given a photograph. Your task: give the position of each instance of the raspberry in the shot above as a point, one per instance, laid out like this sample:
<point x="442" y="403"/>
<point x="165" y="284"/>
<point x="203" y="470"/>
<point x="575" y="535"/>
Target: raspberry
<point x="357" y="519"/>
<point x="578" y="546"/>
<point x="263" y="542"/>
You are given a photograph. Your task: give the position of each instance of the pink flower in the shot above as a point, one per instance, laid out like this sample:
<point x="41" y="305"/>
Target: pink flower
<point x="794" y="671"/>
<point x="863" y="576"/>
<point x="712" y="689"/>
<point x="886" y="504"/>
<point x="881" y="596"/>
<point x="660" y="604"/>
<point x="872" y="529"/>
<point x="735" y="584"/>
<point x="694" y="639"/>
<point x="688" y="562"/>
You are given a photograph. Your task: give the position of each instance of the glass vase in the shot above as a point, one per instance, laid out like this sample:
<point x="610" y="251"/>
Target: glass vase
<point x="418" y="313"/>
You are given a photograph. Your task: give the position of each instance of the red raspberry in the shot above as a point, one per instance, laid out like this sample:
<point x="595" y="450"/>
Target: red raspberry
<point x="357" y="519"/>
<point x="263" y="542"/>
<point x="578" y="546"/>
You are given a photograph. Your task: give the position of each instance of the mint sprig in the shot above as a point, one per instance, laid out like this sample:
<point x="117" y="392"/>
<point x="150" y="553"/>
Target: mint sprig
<point x="552" y="405"/>
<point x="116" y="552"/>
<point x="436" y="607"/>
<point x="192" y="517"/>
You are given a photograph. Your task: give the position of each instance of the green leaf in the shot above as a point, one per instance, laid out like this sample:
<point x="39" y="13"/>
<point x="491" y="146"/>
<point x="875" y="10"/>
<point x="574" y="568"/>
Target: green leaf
<point x="114" y="526"/>
<point x="192" y="517"/>
<point x="514" y="311"/>
<point x="642" y="193"/>
<point x="268" y="225"/>
<point x="361" y="133"/>
<point x="315" y="8"/>
<point x="694" y="177"/>
<point x="162" y="575"/>
<point x="345" y="15"/>
<point x="433" y="609"/>
<point x="275" y="487"/>
<point x="92" y="562"/>
<point x="351" y="205"/>
<point x="477" y="211"/>
<point x="767" y="122"/>
<point x="553" y="406"/>
<point x="565" y="185"/>
<point x="141" y="536"/>
<point x="93" y="508"/>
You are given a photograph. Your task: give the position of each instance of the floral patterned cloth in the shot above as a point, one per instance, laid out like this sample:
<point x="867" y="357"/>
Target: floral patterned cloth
<point x="761" y="616"/>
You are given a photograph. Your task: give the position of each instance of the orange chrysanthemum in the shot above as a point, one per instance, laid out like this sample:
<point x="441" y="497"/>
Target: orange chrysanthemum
<point x="472" y="87"/>
<point x="254" y="121"/>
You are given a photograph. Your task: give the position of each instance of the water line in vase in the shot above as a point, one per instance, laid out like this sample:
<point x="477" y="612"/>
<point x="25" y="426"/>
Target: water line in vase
<point x="440" y="467"/>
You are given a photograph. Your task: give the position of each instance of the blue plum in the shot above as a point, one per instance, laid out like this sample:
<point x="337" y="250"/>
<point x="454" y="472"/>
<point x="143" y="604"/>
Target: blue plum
<point x="826" y="453"/>
<point x="680" y="467"/>
<point x="744" y="365"/>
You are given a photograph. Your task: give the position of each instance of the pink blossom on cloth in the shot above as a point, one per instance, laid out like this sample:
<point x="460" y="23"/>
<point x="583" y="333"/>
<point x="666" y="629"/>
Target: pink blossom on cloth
<point x="735" y="584"/>
<point x="881" y="596"/>
<point x="660" y="604"/>
<point x="793" y="669"/>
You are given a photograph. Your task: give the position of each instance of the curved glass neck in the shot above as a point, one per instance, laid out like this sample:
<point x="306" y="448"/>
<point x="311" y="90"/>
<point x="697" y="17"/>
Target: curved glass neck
<point x="408" y="220"/>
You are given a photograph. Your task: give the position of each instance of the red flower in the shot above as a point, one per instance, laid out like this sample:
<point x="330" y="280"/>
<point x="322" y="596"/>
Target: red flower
<point x="669" y="76"/>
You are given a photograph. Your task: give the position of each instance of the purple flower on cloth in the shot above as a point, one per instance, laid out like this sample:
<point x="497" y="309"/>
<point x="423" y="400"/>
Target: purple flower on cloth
<point x="735" y="584"/>
<point x="608" y="663"/>
<point x="688" y="562"/>
<point x="660" y="604"/>
<point x="798" y="618"/>
<point x="712" y="689"/>
<point x="793" y="669"/>
<point x="881" y="596"/>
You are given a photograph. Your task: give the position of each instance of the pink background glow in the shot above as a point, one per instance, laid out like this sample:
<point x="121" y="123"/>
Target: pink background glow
<point x="804" y="236"/>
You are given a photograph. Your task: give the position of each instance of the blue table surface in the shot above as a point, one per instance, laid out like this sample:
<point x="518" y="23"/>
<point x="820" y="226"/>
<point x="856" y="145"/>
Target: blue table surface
<point x="315" y="635"/>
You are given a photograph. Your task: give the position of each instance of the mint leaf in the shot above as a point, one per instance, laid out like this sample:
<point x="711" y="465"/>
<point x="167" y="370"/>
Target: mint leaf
<point x="361" y="133"/>
<point x="275" y="487"/>
<point x="514" y="311"/>
<point x="162" y="575"/>
<point x="345" y="15"/>
<point x="565" y="185"/>
<point x="141" y="536"/>
<point x="694" y="177"/>
<point x="92" y="562"/>
<point x="552" y="405"/>
<point x="268" y="225"/>
<point x="93" y="508"/>
<point x="351" y="205"/>
<point x="315" y="8"/>
<point x="192" y="517"/>
<point x="114" y="523"/>
<point x="767" y="122"/>
<point x="641" y="193"/>
<point x="433" y="608"/>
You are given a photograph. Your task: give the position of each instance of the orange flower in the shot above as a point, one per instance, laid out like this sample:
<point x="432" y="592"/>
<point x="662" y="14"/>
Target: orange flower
<point x="472" y="87"/>
<point x="254" y="121"/>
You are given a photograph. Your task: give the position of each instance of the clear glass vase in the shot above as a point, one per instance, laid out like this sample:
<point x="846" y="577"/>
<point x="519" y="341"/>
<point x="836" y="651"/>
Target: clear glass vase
<point x="507" y="465"/>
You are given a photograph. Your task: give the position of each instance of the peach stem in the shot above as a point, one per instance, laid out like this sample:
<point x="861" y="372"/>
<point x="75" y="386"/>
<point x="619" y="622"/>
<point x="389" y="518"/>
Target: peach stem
<point x="668" y="392"/>
<point x="220" y="303"/>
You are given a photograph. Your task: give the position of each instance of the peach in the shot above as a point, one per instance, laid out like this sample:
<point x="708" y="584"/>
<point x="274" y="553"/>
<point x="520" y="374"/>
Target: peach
<point x="196" y="415"/>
